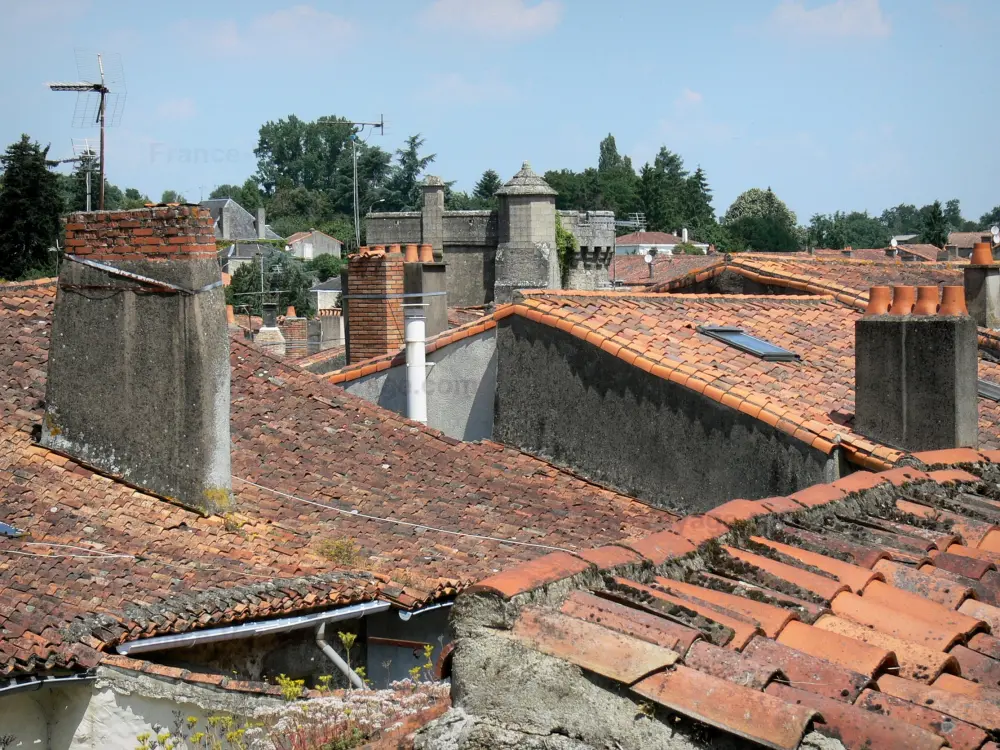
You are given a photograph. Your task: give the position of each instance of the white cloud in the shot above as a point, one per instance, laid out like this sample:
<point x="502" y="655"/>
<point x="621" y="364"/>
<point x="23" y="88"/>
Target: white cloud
<point x="454" y="88"/>
<point x="841" y="18"/>
<point x="177" y="109"/>
<point x="689" y="98"/>
<point x="302" y="29"/>
<point x="495" y="17"/>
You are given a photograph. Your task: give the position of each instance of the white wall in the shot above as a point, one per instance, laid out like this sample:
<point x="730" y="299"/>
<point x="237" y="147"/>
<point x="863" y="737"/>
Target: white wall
<point x="110" y="713"/>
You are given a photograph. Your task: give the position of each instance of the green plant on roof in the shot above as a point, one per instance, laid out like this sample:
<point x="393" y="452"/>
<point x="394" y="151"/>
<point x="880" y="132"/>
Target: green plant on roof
<point x="343" y="552"/>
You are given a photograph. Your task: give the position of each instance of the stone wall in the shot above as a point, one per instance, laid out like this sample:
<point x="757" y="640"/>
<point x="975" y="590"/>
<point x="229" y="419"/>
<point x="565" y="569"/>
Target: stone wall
<point x="570" y="402"/>
<point x="594" y="232"/>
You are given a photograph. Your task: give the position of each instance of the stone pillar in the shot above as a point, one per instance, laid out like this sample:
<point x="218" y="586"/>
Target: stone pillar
<point x="432" y="216"/>
<point x="261" y="223"/>
<point x="374" y="304"/>
<point x="138" y="370"/>
<point x="527" y="257"/>
<point x="982" y="287"/>
<point x="916" y="378"/>
<point x="269" y="337"/>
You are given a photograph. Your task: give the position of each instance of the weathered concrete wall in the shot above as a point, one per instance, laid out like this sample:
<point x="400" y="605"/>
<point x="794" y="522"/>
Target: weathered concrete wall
<point x="527" y="257"/>
<point x="110" y="713"/>
<point x="460" y="388"/>
<point x="594" y="232"/>
<point x="138" y="383"/>
<point x="564" y="399"/>
<point x="470" y="228"/>
<point x="471" y="274"/>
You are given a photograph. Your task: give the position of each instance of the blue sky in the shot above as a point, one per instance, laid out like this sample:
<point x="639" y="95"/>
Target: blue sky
<point x="850" y="104"/>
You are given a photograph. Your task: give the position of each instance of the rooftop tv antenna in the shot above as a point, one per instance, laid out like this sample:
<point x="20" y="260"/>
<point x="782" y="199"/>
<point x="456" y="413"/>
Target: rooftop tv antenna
<point x="82" y="152"/>
<point x="100" y="97"/>
<point x="635" y="221"/>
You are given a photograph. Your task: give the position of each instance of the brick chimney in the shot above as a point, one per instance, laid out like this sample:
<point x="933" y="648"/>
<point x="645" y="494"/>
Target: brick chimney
<point x="982" y="286"/>
<point x="138" y="371"/>
<point x="916" y="369"/>
<point x="373" y="305"/>
<point x="429" y="279"/>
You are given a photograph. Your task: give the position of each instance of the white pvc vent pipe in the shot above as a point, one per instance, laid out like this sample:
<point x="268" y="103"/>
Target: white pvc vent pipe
<point x="416" y="364"/>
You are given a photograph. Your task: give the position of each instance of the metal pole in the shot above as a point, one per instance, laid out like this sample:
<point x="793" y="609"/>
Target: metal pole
<point x="88" y="187"/>
<point x="416" y="364"/>
<point x="357" y="218"/>
<point x="104" y="93"/>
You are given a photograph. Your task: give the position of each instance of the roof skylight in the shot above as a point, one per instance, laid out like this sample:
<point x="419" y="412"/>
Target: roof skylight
<point x="740" y="339"/>
<point x="7" y="530"/>
<point x="989" y="390"/>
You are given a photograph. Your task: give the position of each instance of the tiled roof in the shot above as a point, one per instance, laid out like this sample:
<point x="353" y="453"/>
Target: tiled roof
<point x="811" y="399"/>
<point x="632" y="270"/>
<point x="322" y="357"/>
<point x="377" y="364"/>
<point x="60" y="605"/>
<point x="819" y="275"/>
<point x="459" y="316"/>
<point x="967" y="239"/>
<point x="648" y="238"/>
<point x="868" y="609"/>
<point x="927" y="252"/>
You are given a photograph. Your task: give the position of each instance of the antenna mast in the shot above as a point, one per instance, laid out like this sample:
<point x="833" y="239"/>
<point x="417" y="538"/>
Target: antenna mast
<point x="100" y="84"/>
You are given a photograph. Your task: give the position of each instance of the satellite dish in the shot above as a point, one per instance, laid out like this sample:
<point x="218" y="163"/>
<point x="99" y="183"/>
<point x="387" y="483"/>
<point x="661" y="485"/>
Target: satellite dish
<point x="648" y="258"/>
<point x="994" y="229"/>
<point x="996" y="238"/>
<point x="893" y="242"/>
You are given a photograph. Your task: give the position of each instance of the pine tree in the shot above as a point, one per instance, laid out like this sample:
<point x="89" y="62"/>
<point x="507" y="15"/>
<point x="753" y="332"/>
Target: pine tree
<point x="30" y="204"/>
<point x="404" y="184"/>
<point x="487" y="186"/>
<point x="698" y="212"/>
<point x="935" y="226"/>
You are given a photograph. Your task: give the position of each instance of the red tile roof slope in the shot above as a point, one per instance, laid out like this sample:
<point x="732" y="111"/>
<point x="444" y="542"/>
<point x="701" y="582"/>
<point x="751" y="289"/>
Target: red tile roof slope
<point x="874" y="601"/>
<point x="292" y="433"/>
<point x="967" y="239"/>
<point x="633" y="270"/>
<point x="927" y="252"/>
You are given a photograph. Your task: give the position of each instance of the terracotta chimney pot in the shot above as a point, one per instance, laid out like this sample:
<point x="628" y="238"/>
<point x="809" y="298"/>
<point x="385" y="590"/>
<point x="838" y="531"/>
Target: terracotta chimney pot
<point x="903" y="298"/>
<point x="982" y="255"/>
<point x="953" y="301"/>
<point x="230" y="315"/>
<point x="378" y="250"/>
<point x="426" y="253"/>
<point x="879" y="300"/>
<point x="927" y="300"/>
<point x="412" y="255"/>
<point x="290" y="312"/>
<point x="394" y="249"/>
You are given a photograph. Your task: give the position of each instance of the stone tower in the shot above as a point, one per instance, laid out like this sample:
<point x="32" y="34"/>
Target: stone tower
<point x="527" y="257"/>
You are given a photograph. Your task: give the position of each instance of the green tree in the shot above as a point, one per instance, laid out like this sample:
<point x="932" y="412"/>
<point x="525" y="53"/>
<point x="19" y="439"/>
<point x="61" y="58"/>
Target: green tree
<point x="566" y="246"/>
<point x="486" y="188"/>
<point x="402" y="192"/>
<point x="698" y="211"/>
<point x="989" y="219"/>
<point x="30" y="205"/>
<point x="953" y="215"/>
<point x="325" y="266"/>
<point x="759" y="220"/>
<point x="286" y="278"/>
<point x="172" y="196"/>
<point x="618" y="184"/>
<point x="902" y="219"/>
<point x="577" y="191"/>
<point x="839" y="230"/>
<point x="935" y="229"/>
<point x="132" y="198"/>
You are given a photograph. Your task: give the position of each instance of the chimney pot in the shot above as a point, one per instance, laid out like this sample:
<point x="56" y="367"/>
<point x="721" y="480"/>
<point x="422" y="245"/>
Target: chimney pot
<point x="982" y="254"/>
<point x="953" y="301"/>
<point x="378" y="250"/>
<point x="927" y="300"/>
<point x="290" y="312"/>
<point x="270" y="314"/>
<point x="394" y="249"/>
<point x="412" y="254"/>
<point x="903" y="298"/>
<point x="879" y="300"/>
<point x="426" y="253"/>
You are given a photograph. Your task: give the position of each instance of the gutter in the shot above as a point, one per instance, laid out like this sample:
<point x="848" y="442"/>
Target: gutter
<point x="250" y="629"/>
<point x="405" y="615"/>
<point x="24" y="684"/>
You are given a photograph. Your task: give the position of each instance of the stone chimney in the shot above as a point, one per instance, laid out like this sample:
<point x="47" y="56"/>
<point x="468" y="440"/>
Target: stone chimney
<point x="916" y="381"/>
<point x="269" y="337"/>
<point x="427" y="278"/>
<point x="138" y="371"/>
<point x="261" y="223"/>
<point x="373" y="305"/>
<point x="432" y="215"/>
<point x="527" y="256"/>
<point x="982" y="286"/>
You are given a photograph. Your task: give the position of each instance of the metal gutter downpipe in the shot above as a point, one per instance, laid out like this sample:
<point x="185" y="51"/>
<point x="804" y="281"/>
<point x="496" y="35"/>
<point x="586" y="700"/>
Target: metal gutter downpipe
<point x="416" y="363"/>
<point x="327" y="649"/>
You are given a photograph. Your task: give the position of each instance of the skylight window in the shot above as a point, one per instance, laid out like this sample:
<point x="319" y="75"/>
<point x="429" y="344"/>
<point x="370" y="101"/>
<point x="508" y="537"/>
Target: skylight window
<point x="989" y="390"/>
<point x="8" y="530"/>
<point x="740" y="339"/>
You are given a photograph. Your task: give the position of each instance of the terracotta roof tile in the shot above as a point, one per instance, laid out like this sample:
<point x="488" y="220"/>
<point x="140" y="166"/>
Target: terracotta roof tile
<point x="726" y="664"/>
<point x="937" y="589"/>
<point x="809" y="673"/>
<point x="975" y="712"/>
<point x="825" y="588"/>
<point x="854" y="576"/>
<point x="769" y="618"/>
<point x="856" y="655"/>
<point x="605" y="652"/>
<point x="532" y="575"/>
<point x="760" y="718"/>
<point x="631" y="621"/>
<point x="858" y="728"/>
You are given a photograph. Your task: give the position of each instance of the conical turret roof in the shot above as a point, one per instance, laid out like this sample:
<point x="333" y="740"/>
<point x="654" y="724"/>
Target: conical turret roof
<point x="526" y="182"/>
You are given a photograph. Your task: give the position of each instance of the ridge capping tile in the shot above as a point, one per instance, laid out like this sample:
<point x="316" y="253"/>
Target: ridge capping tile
<point x="532" y="575"/>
